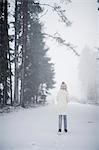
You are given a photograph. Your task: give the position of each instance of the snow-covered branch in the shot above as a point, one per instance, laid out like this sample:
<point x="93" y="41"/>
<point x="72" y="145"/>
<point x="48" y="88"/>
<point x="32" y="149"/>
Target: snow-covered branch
<point x="62" y="42"/>
<point x="58" y="9"/>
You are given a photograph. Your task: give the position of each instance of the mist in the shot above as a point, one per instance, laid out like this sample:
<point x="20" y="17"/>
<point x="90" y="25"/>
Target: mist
<point x="82" y="32"/>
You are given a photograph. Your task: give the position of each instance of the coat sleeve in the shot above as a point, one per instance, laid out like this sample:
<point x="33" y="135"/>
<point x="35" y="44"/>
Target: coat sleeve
<point x="57" y="98"/>
<point x="68" y="98"/>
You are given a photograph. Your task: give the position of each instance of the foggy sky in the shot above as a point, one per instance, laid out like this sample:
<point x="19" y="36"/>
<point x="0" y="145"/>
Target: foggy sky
<point x="84" y="31"/>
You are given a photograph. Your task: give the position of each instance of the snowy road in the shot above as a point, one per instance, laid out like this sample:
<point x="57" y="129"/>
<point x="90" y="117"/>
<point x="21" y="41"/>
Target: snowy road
<point x="36" y="129"/>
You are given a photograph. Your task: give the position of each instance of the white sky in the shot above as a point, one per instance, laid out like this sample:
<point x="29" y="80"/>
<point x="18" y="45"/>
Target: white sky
<point x="84" y="31"/>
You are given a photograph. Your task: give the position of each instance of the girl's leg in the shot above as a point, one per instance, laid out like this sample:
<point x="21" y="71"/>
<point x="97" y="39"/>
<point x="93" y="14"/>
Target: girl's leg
<point x="65" y="122"/>
<point x="60" y="123"/>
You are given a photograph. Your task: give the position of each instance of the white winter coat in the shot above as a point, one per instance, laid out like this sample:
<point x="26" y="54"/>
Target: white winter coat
<point x="62" y="102"/>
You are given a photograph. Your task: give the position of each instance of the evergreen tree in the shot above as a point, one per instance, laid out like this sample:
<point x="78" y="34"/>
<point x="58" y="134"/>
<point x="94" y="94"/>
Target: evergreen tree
<point x="87" y="75"/>
<point x="18" y="43"/>
<point x="5" y="64"/>
<point x="38" y="70"/>
<point x="16" y="23"/>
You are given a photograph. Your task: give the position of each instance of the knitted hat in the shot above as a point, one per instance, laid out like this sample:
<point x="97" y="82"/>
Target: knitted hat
<point x="63" y="86"/>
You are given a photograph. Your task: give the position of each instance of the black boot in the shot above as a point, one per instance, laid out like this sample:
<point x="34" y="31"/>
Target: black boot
<point x="59" y="130"/>
<point x="65" y="130"/>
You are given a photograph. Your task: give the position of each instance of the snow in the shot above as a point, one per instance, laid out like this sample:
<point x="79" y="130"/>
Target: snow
<point x="36" y="129"/>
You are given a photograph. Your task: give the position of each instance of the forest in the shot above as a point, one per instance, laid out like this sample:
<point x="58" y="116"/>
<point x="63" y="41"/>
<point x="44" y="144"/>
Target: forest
<point x="26" y="71"/>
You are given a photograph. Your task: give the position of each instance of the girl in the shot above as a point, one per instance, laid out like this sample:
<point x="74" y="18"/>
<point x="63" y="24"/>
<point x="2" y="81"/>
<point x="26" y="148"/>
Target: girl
<point x="62" y="102"/>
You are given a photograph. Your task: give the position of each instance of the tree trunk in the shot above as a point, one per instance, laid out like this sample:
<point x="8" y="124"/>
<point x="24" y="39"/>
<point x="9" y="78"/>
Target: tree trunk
<point x="16" y="92"/>
<point x="25" y="12"/>
<point x="5" y="31"/>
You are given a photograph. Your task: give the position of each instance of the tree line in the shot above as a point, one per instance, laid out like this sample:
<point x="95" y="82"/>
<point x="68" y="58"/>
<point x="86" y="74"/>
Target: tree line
<point x="26" y="72"/>
<point x="25" y="66"/>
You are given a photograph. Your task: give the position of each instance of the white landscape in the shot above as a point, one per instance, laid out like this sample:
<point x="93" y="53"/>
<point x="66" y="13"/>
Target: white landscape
<point x="38" y="58"/>
<point x="36" y="129"/>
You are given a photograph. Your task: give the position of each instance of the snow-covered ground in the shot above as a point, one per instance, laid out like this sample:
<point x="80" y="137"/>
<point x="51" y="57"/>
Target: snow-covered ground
<point x="36" y="129"/>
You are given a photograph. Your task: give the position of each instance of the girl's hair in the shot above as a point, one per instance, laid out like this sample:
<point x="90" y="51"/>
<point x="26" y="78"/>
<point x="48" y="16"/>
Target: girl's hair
<point x="63" y="86"/>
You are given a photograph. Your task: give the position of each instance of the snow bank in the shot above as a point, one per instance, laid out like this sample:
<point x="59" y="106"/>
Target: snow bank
<point x="36" y="129"/>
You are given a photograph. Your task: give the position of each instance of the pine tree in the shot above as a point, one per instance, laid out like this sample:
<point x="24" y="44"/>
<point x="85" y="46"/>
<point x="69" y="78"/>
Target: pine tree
<point x="87" y="74"/>
<point x="34" y="54"/>
<point x="38" y="69"/>
<point x="18" y="42"/>
<point x="5" y="64"/>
